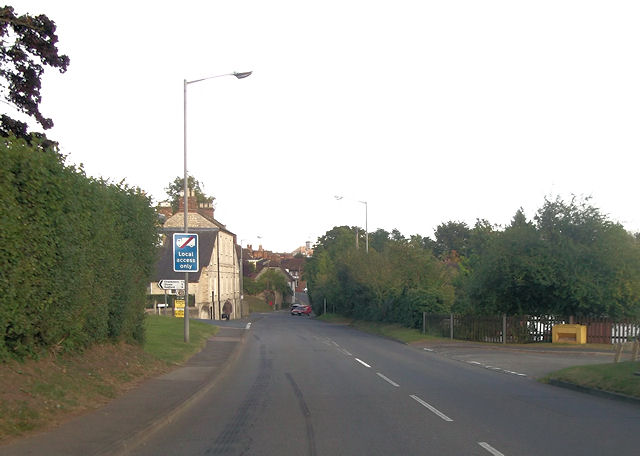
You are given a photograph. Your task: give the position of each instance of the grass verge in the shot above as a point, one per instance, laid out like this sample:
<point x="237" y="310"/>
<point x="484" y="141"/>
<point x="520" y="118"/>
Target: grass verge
<point x="616" y="377"/>
<point x="388" y="330"/>
<point x="257" y="304"/>
<point x="39" y="394"/>
<point x="165" y="338"/>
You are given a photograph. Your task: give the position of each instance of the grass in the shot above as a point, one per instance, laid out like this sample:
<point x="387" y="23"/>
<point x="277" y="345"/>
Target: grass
<point x="165" y="338"/>
<point x="39" y="394"/>
<point x="615" y="377"/>
<point x="389" y="330"/>
<point x="257" y="304"/>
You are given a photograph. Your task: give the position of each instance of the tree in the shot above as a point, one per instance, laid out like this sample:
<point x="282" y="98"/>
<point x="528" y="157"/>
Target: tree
<point x="273" y="281"/>
<point x="570" y="261"/>
<point x="451" y="236"/>
<point x="175" y="189"/>
<point x="27" y="44"/>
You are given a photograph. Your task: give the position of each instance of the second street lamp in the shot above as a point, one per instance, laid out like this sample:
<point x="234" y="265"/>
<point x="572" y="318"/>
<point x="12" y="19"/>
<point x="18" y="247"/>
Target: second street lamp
<point x="186" y="189"/>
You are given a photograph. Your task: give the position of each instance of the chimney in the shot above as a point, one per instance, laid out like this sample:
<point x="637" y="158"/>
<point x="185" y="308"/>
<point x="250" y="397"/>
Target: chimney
<point x="206" y="210"/>
<point x="193" y="204"/>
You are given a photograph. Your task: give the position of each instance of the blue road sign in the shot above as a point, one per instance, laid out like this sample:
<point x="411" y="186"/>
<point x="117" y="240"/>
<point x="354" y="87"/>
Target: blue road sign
<point x="185" y="252"/>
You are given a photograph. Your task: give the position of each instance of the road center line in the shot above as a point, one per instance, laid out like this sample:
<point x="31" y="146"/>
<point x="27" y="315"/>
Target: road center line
<point x="430" y="407"/>
<point x="388" y="380"/>
<point x="363" y="363"/>
<point x="490" y="449"/>
<point x="344" y="352"/>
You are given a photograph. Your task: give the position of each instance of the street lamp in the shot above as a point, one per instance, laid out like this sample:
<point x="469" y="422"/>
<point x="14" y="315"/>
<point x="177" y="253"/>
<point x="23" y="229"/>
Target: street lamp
<point x="366" y="221"/>
<point x="186" y="189"/>
<point x="241" y="280"/>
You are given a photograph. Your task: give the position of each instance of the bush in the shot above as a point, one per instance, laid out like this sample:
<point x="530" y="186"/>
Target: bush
<point x="76" y="254"/>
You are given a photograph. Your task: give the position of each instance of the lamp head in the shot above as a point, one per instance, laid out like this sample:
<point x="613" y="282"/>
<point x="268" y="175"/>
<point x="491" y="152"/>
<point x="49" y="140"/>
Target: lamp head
<point x="246" y="74"/>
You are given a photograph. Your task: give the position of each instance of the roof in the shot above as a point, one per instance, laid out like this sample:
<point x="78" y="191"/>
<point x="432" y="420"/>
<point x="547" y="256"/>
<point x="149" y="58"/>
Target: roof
<point x="164" y="265"/>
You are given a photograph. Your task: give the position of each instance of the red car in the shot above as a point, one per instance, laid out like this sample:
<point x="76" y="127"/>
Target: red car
<point x="301" y="309"/>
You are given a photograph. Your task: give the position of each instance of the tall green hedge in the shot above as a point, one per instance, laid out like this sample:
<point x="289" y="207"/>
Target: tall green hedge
<point x="76" y="255"/>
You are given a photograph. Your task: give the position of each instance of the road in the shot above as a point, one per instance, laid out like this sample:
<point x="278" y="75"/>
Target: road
<point x="303" y="387"/>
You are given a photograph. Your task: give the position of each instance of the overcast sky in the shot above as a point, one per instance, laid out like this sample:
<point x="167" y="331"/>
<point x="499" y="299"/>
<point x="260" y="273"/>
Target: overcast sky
<point x="431" y="111"/>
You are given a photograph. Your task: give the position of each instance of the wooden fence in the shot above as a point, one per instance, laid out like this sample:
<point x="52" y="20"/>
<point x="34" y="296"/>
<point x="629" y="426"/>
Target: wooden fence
<point x="525" y="329"/>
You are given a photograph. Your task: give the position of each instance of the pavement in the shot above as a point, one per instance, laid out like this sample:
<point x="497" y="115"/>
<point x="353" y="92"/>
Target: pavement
<point x="118" y="427"/>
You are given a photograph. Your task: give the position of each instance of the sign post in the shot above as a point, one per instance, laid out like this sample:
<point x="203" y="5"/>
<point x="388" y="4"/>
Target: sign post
<point x="185" y="259"/>
<point x="179" y="308"/>
<point x="185" y="252"/>
<point x="171" y="284"/>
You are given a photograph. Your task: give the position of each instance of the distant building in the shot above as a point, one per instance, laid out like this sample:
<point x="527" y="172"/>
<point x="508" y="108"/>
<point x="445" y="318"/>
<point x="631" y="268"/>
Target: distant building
<point x="218" y="280"/>
<point x="306" y="250"/>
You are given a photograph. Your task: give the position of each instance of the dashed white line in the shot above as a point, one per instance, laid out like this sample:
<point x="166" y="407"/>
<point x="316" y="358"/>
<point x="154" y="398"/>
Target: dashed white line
<point x="388" y="380"/>
<point x="497" y="369"/>
<point x="490" y="449"/>
<point x="363" y="363"/>
<point x="344" y="352"/>
<point x="431" y="407"/>
<point x="428" y="349"/>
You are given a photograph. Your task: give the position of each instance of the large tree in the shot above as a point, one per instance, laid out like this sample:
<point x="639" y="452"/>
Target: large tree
<point x="27" y="44"/>
<point x="571" y="260"/>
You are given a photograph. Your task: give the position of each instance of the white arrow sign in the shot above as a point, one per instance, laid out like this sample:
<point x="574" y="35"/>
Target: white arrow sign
<point x="171" y="284"/>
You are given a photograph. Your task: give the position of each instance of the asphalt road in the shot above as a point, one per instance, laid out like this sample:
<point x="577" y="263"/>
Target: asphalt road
<point x="303" y="387"/>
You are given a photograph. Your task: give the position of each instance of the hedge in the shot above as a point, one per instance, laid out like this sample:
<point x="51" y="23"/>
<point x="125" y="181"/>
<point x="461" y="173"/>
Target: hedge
<point x="76" y="255"/>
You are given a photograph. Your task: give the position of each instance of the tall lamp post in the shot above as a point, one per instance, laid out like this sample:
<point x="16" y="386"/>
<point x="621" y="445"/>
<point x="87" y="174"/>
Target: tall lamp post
<point x="186" y="190"/>
<point x="366" y="221"/>
<point x="241" y="280"/>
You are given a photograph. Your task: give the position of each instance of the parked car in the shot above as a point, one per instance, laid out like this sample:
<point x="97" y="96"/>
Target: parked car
<point x="301" y="309"/>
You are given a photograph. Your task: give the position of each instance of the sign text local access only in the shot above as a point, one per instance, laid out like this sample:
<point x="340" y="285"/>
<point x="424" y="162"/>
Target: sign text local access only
<point x="185" y="252"/>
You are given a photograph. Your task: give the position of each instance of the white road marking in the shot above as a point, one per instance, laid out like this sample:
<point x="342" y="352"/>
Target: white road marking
<point x="490" y="449"/>
<point x="345" y="352"/>
<point x="428" y="349"/>
<point x="388" y="380"/>
<point x="248" y="326"/>
<point x="430" y="407"/>
<point x="497" y="369"/>
<point x="363" y="363"/>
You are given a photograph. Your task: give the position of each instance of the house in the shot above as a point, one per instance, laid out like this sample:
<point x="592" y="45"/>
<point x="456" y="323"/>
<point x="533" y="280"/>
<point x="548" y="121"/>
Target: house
<point x="218" y="280"/>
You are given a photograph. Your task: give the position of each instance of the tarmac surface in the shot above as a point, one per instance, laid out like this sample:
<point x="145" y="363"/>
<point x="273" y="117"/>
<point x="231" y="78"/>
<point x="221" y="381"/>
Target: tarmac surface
<point x="117" y="428"/>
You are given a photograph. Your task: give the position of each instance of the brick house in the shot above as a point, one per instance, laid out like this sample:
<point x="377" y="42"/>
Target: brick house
<point x="218" y="280"/>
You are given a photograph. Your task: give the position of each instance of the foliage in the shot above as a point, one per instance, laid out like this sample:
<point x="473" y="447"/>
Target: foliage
<point x="27" y="44"/>
<point x="570" y="260"/>
<point x="176" y="188"/>
<point x="395" y="282"/>
<point x="451" y="238"/>
<point x="275" y="281"/>
<point x="76" y="254"/>
<point x="251" y="286"/>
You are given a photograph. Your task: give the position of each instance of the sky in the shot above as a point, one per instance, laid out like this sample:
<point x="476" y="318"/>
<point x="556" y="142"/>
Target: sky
<point x="430" y="111"/>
